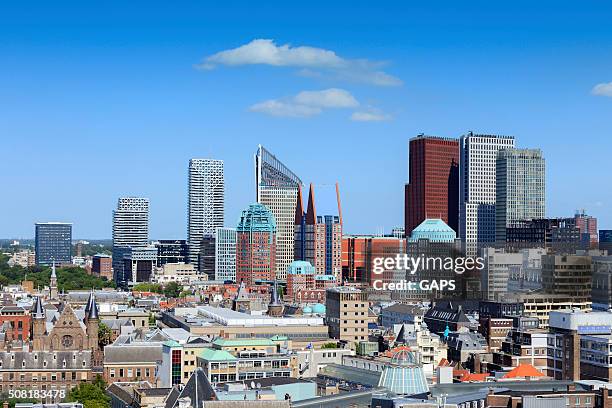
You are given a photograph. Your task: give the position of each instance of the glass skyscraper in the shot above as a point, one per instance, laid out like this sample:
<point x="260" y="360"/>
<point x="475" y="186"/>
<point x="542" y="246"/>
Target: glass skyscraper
<point x="520" y="188"/>
<point x="225" y="254"/>
<point x="53" y="243"/>
<point x="277" y="188"/>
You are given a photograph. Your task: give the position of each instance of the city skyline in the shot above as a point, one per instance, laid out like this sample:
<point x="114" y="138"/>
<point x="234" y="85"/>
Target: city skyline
<point x="438" y="72"/>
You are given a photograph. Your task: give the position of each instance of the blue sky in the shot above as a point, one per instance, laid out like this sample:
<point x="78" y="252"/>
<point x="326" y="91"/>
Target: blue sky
<point x="104" y="101"/>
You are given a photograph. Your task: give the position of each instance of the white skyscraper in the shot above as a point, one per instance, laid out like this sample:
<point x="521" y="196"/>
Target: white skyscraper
<point x="206" y="201"/>
<point x="277" y="188"/>
<point x="130" y="229"/>
<point x="477" y="193"/>
<point x="225" y="254"/>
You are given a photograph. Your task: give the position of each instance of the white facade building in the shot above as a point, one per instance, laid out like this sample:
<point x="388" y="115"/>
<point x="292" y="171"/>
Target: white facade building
<point x="477" y="192"/>
<point x="206" y="202"/>
<point x="130" y="229"/>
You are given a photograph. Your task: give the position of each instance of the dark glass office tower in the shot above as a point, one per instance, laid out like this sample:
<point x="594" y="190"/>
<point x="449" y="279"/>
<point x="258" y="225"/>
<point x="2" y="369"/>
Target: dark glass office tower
<point x="171" y="251"/>
<point x="53" y="243"/>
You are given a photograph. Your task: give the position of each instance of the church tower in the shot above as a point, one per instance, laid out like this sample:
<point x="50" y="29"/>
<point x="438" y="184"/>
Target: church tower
<point x="275" y="308"/>
<point x="38" y="325"/>
<point x="53" y="284"/>
<point x="92" y="320"/>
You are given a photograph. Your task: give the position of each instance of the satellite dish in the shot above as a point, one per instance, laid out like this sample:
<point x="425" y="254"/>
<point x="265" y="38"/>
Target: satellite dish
<point x="258" y="385"/>
<point x="252" y="385"/>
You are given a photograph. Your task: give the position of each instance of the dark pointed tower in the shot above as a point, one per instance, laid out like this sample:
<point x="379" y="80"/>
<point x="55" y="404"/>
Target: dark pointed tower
<point x="299" y="228"/>
<point x="311" y="212"/>
<point x="92" y="321"/>
<point x="38" y="325"/>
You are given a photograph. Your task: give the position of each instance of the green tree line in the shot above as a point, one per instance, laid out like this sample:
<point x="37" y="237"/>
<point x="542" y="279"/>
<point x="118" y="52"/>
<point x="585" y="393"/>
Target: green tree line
<point x="68" y="278"/>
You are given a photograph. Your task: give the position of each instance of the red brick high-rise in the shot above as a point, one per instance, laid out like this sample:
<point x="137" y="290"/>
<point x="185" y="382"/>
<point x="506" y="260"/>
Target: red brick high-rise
<point x="256" y="245"/>
<point x="433" y="184"/>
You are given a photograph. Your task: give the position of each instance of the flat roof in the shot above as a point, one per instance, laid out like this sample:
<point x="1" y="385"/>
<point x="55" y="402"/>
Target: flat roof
<point x="230" y="317"/>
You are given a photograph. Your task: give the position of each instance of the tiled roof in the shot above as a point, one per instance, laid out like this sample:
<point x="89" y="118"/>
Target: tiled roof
<point x="524" y="370"/>
<point x="216" y="355"/>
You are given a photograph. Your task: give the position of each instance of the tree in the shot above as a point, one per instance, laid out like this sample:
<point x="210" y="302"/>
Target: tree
<point x="148" y="287"/>
<point x="68" y="278"/>
<point x="91" y="395"/>
<point x="330" y="346"/>
<point x="105" y="335"/>
<point x="172" y="290"/>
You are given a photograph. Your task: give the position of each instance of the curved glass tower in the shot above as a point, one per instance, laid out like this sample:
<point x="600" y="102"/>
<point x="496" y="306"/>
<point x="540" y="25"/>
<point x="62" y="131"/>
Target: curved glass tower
<point x="277" y="188"/>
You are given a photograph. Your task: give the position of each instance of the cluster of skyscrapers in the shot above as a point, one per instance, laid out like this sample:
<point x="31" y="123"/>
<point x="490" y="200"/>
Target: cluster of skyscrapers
<point x="478" y="185"/>
<point x="272" y="232"/>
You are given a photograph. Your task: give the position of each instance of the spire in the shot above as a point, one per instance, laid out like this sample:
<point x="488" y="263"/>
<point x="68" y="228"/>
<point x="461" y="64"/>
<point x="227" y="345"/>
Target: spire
<point x="88" y="304"/>
<point x="299" y="208"/>
<point x="311" y="213"/>
<point x="401" y="336"/>
<point x="242" y="293"/>
<point x="91" y="310"/>
<point x="53" y="275"/>
<point x="274" y="300"/>
<point x="39" y="310"/>
<point x="338" y="200"/>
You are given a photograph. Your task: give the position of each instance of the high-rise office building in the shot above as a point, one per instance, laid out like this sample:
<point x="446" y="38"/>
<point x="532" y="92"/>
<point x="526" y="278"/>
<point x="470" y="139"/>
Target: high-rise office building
<point x="171" y="251"/>
<point x="433" y="187"/>
<point x="53" y="243"/>
<point x="477" y="192"/>
<point x="225" y="254"/>
<point x="568" y="275"/>
<point x="206" y="260"/>
<point x="130" y="229"/>
<point x="520" y="188"/>
<point x="256" y="245"/>
<point x="557" y="235"/>
<point x="318" y="231"/>
<point x="605" y="240"/>
<point x="206" y="201"/>
<point x="277" y="189"/>
<point x="587" y="224"/>
<point x="138" y="264"/>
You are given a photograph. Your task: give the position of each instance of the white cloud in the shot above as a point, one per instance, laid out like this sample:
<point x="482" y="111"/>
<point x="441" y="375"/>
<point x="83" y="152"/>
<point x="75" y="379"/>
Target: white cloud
<point x="603" y="89"/>
<point x="267" y="52"/>
<point x="370" y="115"/>
<point x="309" y="59"/>
<point x="307" y="103"/>
<point x="275" y="107"/>
<point x="328" y="98"/>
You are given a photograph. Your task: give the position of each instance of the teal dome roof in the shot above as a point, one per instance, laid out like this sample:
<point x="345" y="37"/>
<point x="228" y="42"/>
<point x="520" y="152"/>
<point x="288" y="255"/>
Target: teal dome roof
<point x="433" y="229"/>
<point x="319" y="308"/>
<point x="256" y="218"/>
<point x="300" y="268"/>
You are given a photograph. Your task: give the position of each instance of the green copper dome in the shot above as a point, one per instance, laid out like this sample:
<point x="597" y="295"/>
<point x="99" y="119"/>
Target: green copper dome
<point x="256" y="218"/>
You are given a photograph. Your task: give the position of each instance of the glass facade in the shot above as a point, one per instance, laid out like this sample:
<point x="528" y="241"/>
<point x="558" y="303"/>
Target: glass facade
<point x="53" y="243"/>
